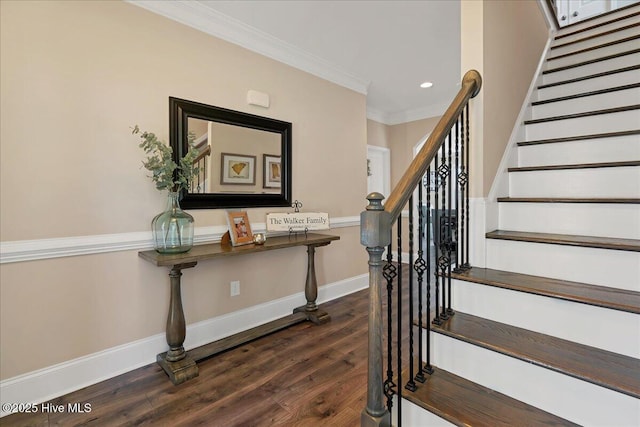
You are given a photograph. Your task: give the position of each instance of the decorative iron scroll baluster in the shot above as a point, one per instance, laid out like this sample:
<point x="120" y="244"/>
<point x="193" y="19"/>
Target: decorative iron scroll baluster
<point x="442" y="215"/>
<point x="389" y="272"/>
<point x="420" y="266"/>
<point x="463" y="179"/>
<point x="466" y="264"/>
<point x="427" y="367"/>
<point x="435" y="219"/>
<point x="399" y="321"/>
<point x="411" y="385"/>
<point x="450" y="228"/>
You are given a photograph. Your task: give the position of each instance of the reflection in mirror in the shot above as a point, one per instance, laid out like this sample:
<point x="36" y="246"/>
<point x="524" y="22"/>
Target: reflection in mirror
<point x="244" y="160"/>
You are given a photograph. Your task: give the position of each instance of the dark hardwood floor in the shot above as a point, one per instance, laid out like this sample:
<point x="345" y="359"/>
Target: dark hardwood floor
<point x="305" y="375"/>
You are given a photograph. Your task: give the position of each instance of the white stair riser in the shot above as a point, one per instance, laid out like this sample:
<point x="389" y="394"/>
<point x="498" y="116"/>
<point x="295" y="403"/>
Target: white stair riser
<point x="623" y="182"/>
<point x="617" y="79"/>
<point x="567" y="397"/>
<point x="615" y="149"/>
<point x="626" y="20"/>
<point x="616" y="269"/>
<point x="591" y="54"/>
<point x="599" y="123"/>
<point x="414" y="415"/>
<point x="593" y="68"/>
<point x="607" y="329"/>
<point x="592" y="42"/>
<point x="587" y="103"/>
<point x="586" y="219"/>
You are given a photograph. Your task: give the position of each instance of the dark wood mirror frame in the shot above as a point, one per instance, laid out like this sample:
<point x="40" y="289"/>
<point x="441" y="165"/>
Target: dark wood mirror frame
<point x="181" y="110"/>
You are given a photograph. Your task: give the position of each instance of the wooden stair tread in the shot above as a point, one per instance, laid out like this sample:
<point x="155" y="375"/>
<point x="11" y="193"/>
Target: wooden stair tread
<point x="465" y="403"/>
<point x="632" y="245"/>
<point x="585" y="94"/>
<point x="580" y="137"/>
<point x="585" y="114"/>
<point x="590" y="61"/>
<point x="600" y="296"/>
<point x="568" y="200"/>
<point x="603" y="368"/>
<point x="600" y="46"/>
<point x="598" y="25"/>
<point x="575" y="166"/>
<point x="591" y="76"/>
<point x="595" y="36"/>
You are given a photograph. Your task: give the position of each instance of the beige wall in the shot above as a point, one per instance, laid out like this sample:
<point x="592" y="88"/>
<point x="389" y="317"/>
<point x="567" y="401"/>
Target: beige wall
<point x="504" y="41"/>
<point x="75" y="76"/>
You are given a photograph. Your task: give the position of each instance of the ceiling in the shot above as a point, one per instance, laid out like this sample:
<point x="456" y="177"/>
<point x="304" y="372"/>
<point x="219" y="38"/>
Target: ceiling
<point x="384" y="49"/>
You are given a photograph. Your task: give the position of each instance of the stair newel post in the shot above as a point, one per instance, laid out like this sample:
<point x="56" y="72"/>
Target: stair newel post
<point x="375" y="235"/>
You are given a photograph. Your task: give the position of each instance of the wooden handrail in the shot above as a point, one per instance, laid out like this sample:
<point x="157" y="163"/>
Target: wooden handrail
<point x="471" y="84"/>
<point x="204" y="153"/>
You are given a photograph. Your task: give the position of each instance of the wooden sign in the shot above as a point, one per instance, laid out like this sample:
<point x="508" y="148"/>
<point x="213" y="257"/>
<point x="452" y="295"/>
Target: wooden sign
<point x="297" y="221"/>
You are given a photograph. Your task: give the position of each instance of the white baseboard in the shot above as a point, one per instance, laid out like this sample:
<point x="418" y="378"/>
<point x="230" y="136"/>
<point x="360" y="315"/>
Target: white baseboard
<point x="48" y="383"/>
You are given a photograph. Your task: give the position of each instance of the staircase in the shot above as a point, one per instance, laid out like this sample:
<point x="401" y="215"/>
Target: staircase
<point x="549" y="331"/>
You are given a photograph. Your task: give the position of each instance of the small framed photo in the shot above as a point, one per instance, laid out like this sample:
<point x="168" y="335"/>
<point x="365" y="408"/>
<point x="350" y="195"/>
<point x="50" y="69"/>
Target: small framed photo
<point x="238" y="169"/>
<point x="272" y="172"/>
<point x="239" y="228"/>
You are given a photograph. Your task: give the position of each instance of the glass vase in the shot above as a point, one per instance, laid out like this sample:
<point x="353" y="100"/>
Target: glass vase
<point x="172" y="229"/>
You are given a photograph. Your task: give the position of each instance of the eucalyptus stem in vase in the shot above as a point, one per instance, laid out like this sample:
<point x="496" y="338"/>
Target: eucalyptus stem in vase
<point x="172" y="229"/>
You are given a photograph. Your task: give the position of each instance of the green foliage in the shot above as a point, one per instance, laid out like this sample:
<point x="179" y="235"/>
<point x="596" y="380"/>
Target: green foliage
<point x="166" y="174"/>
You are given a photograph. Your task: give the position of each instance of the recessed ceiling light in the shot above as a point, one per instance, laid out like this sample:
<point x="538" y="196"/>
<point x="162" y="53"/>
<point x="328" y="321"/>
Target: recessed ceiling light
<point x="426" y="84"/>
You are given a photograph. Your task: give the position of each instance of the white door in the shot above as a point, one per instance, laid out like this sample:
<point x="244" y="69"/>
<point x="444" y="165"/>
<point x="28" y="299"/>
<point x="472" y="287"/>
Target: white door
<point x="378" y="170"/>
<point x="583" y="9"/>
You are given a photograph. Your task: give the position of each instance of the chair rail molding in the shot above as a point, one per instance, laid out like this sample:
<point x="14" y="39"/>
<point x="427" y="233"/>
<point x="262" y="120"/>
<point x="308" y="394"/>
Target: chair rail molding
<point x="40" y="249"/>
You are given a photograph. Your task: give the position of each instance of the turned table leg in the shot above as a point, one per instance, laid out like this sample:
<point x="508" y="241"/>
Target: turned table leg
<point x="311" y="291"/>
<point x="176" y="362"/>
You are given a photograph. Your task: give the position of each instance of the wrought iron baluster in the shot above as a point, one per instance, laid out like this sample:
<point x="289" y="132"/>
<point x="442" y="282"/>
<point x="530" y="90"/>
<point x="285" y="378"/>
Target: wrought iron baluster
<point x="420" y="266"/>
<point x="451" y="243"/>
<point x="399" y="320"/>
<point x="443" y="260"/>
<point x="466" y="264"/>
<point x="436" y="239"/>
<point x="411" y="385"/>
<point x="389" y="272"/>
<point x="427" y="367"/>
<point x="463" y="179"/>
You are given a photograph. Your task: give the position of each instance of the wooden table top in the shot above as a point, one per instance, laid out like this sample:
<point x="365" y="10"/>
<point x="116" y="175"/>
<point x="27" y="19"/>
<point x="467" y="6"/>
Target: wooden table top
<point x="217" y="250"/>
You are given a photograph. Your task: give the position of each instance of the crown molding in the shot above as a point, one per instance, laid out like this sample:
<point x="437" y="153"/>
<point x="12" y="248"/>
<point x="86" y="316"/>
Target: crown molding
<point x="196" y="15"/>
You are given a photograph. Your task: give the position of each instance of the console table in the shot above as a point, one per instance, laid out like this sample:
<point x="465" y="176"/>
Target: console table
<point x="179" y="364"/>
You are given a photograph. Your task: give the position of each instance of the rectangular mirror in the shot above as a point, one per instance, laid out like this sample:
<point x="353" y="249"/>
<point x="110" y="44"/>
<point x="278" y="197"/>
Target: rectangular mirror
<point x="244" y="160"/>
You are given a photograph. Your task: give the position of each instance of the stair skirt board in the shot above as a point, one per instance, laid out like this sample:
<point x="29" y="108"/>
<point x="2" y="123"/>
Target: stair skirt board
<point x="569" y="87"/>
<point x="567" y="397"/>
<point x="578" y="264"/>
<point x="562" y="47"/>
<point x="593" y="219"/>
<point x="587" y="103"/>
<point x="553" y="74"/>
<point x="618" y="182"/>
<point x="607" y="329"/>
<point x="595" y="123"/>
<point x="617" y="46"/>
<point x="613" y="149"/>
